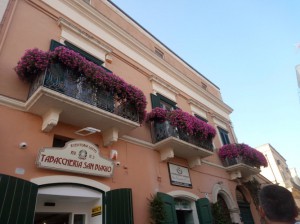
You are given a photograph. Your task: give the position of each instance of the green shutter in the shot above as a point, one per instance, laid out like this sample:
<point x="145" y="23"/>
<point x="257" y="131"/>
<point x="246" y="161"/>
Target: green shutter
<point x="245" y="213"/>
<point x="17" y="200"/>
<point x="204" y="211"/>
<point x="119" y="206"/>
<point x="155" y="100"/>
<point x="169" y="208"/>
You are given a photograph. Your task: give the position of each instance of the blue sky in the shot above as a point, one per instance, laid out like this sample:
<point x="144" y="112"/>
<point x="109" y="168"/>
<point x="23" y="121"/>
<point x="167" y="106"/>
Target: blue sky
<point x="248" y="49"/>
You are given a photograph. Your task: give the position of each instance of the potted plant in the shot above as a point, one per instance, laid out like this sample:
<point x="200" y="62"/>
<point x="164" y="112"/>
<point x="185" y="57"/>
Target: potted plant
<point x="158" y="213"/>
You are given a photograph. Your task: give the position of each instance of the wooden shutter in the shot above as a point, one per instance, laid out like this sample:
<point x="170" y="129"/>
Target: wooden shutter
<point x="17" y="200"/>
<point x="204" y="211"/>
<point x="169" y="208"/>
<point x="119" y="206"/>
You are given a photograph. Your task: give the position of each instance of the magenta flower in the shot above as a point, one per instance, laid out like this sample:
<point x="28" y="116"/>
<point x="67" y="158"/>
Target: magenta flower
<point x="35" y="61"/>
<point x="184" y="122"/>
<point x="248" y="155"/>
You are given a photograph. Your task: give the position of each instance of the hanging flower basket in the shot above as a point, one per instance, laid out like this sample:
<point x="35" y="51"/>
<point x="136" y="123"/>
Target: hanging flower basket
<point x="235" y="153"/>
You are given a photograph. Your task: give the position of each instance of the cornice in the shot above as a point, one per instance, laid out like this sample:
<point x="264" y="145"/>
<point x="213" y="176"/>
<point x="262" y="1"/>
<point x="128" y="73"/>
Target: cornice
<point x="12" y="103"/>
<point x="65" y="23"/>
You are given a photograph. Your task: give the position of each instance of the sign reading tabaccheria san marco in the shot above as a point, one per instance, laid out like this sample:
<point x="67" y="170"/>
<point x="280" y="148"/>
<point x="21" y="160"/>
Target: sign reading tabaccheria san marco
<point x="76" y="156"/>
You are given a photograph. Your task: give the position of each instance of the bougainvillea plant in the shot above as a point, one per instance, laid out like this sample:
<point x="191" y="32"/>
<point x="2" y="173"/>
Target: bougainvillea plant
<point x="35" y="61"/>
<point x="183" y="121"/>
<point x="248" y="154"/>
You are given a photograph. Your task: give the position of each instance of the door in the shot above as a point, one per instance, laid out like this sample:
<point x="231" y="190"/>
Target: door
<point x="119" y="206"/>
<point x="204" y="211"/>
<point x="169" y="206"/>
<point x="17" y="200"/>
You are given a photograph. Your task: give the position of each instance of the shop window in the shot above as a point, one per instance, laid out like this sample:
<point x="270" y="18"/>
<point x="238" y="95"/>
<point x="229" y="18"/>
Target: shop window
<point x="163" y="102"/>
<point x="224" y="136"/>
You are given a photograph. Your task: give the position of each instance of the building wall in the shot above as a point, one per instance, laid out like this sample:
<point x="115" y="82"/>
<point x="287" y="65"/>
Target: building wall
<point x="101" y="29"/>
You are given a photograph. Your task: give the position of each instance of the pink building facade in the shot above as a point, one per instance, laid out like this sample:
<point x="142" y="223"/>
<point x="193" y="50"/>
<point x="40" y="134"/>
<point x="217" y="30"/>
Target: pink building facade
<point x="74" y="153"/>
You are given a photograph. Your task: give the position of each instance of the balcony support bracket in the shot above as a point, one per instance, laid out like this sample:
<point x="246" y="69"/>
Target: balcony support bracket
<point x="166" y="153"/>
<point x="110" y="136"/>
<point x="194" y="161"/>
<point x="50" y="119"/>
<point x="235" y="175"/>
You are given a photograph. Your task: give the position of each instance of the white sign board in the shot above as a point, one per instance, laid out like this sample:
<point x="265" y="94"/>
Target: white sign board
<point x="179" y="175"/>
<point x="76" y="156"/>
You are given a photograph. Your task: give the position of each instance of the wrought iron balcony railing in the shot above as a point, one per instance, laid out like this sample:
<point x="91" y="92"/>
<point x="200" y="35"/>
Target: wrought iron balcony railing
<point x="161" y="131"/>
<point x="65" y="81"/>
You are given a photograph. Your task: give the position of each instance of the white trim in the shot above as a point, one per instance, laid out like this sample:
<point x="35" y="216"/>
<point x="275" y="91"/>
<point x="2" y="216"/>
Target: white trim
<point x="163" y="89"/>
<point x="69" y="179"/>
<point x="83" y="40"/>
<point x="190" y="197"/>
<point x="230" y="202"/>
<point x="196" y="110"/>
<point x="183" y="194"/>
<point x="220" y="123"/>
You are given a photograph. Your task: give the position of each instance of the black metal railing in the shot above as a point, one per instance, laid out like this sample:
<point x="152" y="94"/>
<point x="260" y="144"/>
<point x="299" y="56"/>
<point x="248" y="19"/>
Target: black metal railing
<point x="236" y="160"/>
<point x="73" y="84"/>
<point x="163" y="130"/>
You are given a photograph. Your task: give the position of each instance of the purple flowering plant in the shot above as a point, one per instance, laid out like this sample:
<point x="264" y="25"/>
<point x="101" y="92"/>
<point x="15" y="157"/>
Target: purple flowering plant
<point x="32" y="63"/>
<point x="35" y="61"/>
<point x="247" y="154"/>
<point x="183" y="121"/>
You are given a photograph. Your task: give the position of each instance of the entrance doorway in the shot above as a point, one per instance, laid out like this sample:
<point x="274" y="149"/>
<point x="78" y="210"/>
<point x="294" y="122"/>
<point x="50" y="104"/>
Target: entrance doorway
<point x="184" y="216"/>
<point x="68" y="204"/>
<point x="184" y="211"/>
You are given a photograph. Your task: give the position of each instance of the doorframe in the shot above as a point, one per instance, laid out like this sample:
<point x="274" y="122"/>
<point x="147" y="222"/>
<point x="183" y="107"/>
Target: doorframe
<point x="230" y="202"/>
<point x="63" y="179"/>
<point x="57" y="180"/>
<point x="190" y="197"/>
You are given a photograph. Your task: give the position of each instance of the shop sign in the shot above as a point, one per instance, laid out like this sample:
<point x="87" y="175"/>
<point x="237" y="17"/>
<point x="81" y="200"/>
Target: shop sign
<point x="76" y="156"/>
<point x="96" y="211"/>
<point x="179" y="175"/>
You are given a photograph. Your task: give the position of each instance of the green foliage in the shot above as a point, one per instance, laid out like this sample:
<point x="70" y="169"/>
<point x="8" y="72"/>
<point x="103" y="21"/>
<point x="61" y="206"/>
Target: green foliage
<point x="157" y="212"/>
<point x="219" y="214"/>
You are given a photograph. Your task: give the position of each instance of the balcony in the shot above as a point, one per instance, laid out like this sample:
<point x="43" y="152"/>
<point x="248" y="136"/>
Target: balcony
<point x="239" y="168"/>
<point x="171" y="142"/>
<point x="241" y="160"/>
<point x="61" y="94"/>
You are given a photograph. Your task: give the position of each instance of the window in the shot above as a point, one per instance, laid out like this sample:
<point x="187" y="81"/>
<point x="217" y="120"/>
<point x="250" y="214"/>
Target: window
<point x="159" y="53"/>
<point x="54" y="44"/>
<point x="163" y="102"/>
<point x="201" y="118"/>
<point x="224" y="136"/>
<point x="60" y="141"/>
<point x="203" y="85"/>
